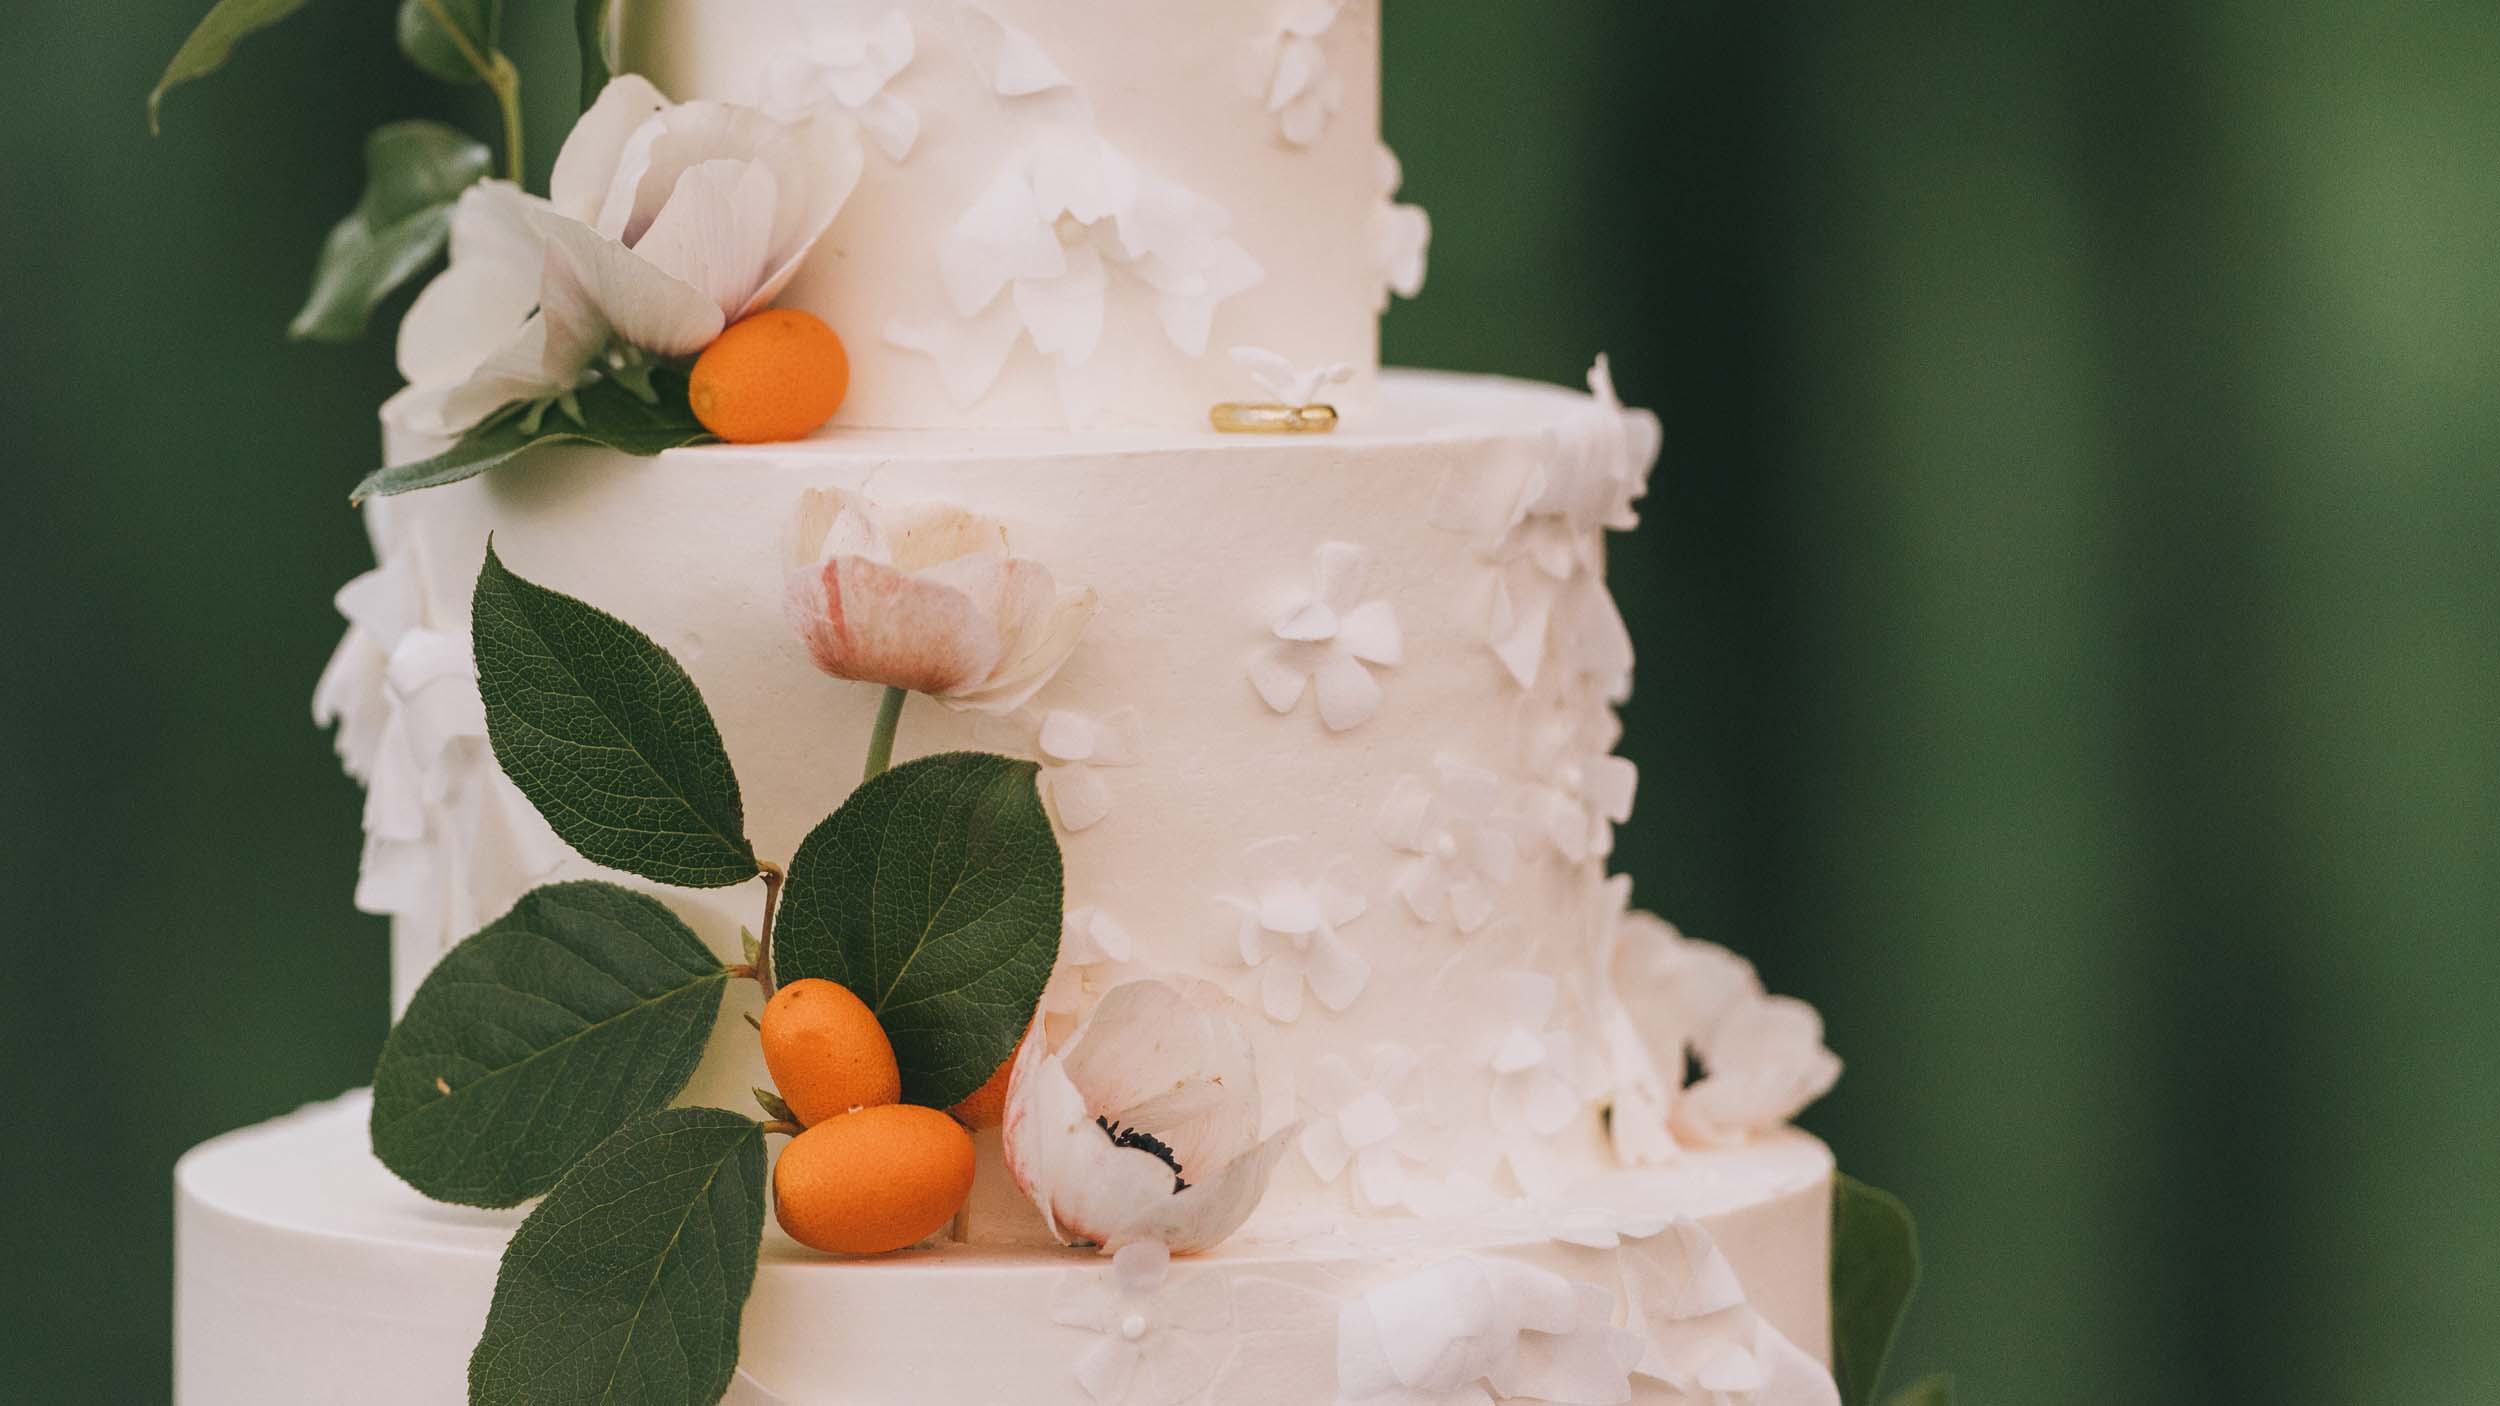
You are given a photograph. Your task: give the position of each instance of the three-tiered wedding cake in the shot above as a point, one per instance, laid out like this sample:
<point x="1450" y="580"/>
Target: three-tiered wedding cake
<point x="1323" y="721"/>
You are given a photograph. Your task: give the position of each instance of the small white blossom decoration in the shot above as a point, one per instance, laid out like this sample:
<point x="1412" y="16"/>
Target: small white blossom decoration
<point x="1075" y="749"/>
<point x="1472" y="1330"/>
<point x="1089" y="940"/>
<point x="1582" y="791"/>
<point x="1463" y="846"/>
<point x="1149" y="1320"/>
<point x="1290" y="384"/>
<point x="1327" y="640"/>
<point x="1033" y="257"/>
<point x="1306" y="91"/>
<point x="1286" y="927"/>
<point x="848" y="64"/>
<point x="1362" y="1122"/>
<point x="1762" y="1057"/>
<point x="1402" y="234"/>
<point x="1701" y="1337"/>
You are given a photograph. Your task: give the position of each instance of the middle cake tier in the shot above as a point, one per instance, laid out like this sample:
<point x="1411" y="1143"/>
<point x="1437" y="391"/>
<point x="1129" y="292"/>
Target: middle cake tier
<point x="1337" y="739"/>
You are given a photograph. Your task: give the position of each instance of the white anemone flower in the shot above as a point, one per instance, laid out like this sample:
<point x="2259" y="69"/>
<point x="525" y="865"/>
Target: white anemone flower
<point x="927" y="598"/>
<point x="1145" y="1126"/>
<point x="1287" y="928"/>
<point x="665" y="224"/>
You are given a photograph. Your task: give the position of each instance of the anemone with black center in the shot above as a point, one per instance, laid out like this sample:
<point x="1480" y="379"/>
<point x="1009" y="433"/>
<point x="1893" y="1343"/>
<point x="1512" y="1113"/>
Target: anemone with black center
<point x="1147" y="1143"/>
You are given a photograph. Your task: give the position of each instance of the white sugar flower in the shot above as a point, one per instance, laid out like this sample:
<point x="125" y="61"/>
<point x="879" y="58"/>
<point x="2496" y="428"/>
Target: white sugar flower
<point x="1699" y="1334"/>
<point x="1361" y="1121"/>
<point x="1762" y="1057"/>
<point x="1540" y="1082"/>
<point x="1145" y="1127"/>
<point x="1034" y="255"/>
<point x="1402" y="234"/>
<point x="1089" y="939"/>
<point x="665" y="224"/>
<point x="847" y="63"/>
<point x="1464" y="847"/>
<point x="926" y="598"/>
<point x="1639" y="1096"/>
<point x="449" y="841"/>
<point x="1326" y="638"/>
<point x="1075" y="749"/>
<point x="1287" y="383"/>
<point x="1286" y="928"/>
<point x="1147" y="1315"/>
<point x="1583" y="790"/>
<point x="1306" y="90"/>
<point x="1470" y="1330"/>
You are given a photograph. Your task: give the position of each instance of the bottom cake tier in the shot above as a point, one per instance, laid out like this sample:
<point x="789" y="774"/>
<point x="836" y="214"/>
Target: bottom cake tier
<point x="305" y="1273"/>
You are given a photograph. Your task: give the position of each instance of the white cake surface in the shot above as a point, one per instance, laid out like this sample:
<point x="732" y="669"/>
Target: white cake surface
<point x="1229" y="190"/>
<point x="1197" y="546"/>
<point x="305" y="1273"/>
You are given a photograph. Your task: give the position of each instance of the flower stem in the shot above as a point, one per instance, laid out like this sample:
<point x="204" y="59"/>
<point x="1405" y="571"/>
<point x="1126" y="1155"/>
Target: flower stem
<point x="774" y="876"/>
<point x="500" y="77"/>
<point x="881" y="742"/>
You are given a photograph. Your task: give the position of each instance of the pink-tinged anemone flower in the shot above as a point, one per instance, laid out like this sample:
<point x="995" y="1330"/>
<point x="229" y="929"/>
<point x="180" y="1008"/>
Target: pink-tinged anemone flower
<point x="927" y="598"/>
<point x="1144" y="1128"/>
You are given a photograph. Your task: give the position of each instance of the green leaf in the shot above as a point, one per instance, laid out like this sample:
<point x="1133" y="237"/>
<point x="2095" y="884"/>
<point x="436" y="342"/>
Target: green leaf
<point x="607" y="736"/>
<point x="1931" y="1391"/>
<point x="612" y="416"/>
<point x="1874" y="1273"/>
<point x="423" y="40"/>
<point x="934" y="895"/>
<point x="228" y="23"/>
<point x="582" y="1008"/>
<point x="414" y="174"/>
<point x="626" y="1286"/>
<point x="590" y="29"/>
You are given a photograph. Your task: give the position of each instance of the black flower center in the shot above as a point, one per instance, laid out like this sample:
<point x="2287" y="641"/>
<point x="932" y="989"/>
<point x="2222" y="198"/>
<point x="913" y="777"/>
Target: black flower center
<point x="1147" y="1143"/>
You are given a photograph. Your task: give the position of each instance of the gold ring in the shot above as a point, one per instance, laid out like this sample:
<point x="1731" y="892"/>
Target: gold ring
<point x="1234" y="417"/>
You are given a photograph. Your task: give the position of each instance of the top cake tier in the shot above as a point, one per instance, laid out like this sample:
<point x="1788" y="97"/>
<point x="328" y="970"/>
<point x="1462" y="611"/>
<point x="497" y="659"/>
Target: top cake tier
<point x="1071" y="213"/>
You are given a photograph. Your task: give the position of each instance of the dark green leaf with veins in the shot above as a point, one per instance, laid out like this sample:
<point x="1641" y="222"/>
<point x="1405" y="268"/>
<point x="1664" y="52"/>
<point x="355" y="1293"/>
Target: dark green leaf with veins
<point x="626" y="1285"/>
<point x="582" y="1008"/>
<point x="212" y="41"/>
<point x="606" y="735"/>
<point x="610" y="415"/>
<point x="1874" y="1272"/>
<point x="422" y="39"/>
<point x="414" y="174"/>
<point x="934" y="895"/>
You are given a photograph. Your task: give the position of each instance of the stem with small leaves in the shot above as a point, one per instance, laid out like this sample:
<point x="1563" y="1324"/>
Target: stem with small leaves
<point x="881" y="742"/>
<point x="501" y="79"/>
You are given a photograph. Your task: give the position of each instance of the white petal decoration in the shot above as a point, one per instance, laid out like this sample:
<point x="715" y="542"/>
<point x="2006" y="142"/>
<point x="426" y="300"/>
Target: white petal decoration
<point x="845" y="64"/>
<point x="1332" y="638"/>
<point x="1403" y="234"/>
<point x="1472" y="1328"/>
<point x="1284" y="923"/>
<point x="1150" y="1318"/>
<point x="1066" y="215"/>
<point x="1287" y="383"/>
<point x="1460" y="840"/>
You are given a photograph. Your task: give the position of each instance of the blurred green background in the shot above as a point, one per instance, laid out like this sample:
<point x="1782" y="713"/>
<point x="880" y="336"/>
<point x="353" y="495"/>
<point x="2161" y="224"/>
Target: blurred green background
<point x="2067" y="621"/>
